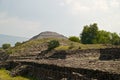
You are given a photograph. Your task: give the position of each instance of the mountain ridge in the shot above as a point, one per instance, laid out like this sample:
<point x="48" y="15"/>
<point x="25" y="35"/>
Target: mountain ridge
<point x="11" y="39"/>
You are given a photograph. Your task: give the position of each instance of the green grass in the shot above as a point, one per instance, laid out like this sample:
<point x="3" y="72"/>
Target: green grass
<point x="4" y="75"/>
<point x="62" y="48"/>
<point x="26" y="46"/>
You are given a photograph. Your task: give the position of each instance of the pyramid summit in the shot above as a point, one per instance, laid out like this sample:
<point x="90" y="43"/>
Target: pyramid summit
<point x="48" y="34"/>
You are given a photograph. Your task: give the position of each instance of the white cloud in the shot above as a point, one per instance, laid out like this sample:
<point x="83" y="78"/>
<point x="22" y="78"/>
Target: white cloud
<point x="19" y="25"/>
<point x="80" y="6"/>
<point x="104" y="12"/>
<point x="75" y="6"/>
<point x="100" y="5"/>
<point x="68" y="1"/>
<point x="115" y="3"/>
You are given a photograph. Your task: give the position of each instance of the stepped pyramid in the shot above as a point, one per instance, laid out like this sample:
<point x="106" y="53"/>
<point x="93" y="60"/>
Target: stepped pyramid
<point x="48" y="34"/>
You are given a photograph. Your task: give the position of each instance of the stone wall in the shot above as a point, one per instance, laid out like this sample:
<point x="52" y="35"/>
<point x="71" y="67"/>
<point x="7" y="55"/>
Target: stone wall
<point x="3" y="56"/>
<point x="89" y="54"/>
<point x="110" y="54"/>
<point x="84" y="54"/>
<point x="99" y="54"/>
<point x="53" y="72"/>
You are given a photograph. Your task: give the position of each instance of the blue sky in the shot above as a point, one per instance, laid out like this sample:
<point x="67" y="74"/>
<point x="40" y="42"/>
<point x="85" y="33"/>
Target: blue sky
<point x="27" y="18"/>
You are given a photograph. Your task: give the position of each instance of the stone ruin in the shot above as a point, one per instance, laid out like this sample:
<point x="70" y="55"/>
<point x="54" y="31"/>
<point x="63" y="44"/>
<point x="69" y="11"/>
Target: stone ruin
<point x="90" y="64"/>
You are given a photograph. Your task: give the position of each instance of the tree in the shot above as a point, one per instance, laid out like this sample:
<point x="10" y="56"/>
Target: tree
<point x="6" y="46"/>
<point x="115" y="39"/>
<point x="104" y="37"/>
<point x="74" y="38"/>
<point x="84" y="35"/>
<point x="89" y="34"/>
<point x="53" y="44"/>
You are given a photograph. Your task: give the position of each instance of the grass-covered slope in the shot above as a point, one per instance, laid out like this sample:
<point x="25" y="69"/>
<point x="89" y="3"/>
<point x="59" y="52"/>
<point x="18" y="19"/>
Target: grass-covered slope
<point x="37" y="45"/>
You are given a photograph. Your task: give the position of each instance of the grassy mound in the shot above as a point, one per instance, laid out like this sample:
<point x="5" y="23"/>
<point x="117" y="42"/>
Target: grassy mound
<point x="39" y="44"/>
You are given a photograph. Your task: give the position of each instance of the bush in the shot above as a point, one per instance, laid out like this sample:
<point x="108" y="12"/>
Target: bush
<point x="6" y="46"/>
<point x="53" y="44"/>
<point x="74" y="38"/>
<point x="18" y="43"/>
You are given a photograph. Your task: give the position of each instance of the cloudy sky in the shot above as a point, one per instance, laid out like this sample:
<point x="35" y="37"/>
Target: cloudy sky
<point x="30" y="17"/>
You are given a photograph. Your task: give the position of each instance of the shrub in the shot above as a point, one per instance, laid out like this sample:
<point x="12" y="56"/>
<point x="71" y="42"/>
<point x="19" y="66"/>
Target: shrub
<point x="53" y="44"/>
<point x="74" y="38"/>
<point x="6" y="46"/>
<point x="18" y="43"/>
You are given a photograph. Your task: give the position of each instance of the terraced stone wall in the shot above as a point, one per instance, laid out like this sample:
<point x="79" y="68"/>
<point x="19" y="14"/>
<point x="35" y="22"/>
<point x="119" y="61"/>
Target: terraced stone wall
<point x="53" y="72"/>
<point x="110" y="54"/>
<point x="98" y="54"/>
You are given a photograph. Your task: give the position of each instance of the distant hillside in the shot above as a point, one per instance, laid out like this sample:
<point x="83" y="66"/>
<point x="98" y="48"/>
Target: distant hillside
<point x="10" y="39"/>
<point x="48" y="34"/>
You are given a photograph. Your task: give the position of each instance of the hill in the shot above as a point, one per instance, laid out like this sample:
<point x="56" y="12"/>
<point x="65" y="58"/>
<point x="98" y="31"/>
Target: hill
<point x="10" y="39"/>
<point x="34" y="47"/>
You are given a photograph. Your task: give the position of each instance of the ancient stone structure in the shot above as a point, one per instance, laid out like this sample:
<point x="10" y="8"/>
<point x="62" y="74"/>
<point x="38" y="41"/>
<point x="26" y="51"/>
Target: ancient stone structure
<point x="3" y="55"/>
<point x="54" y="72"/>
<point x="48" y="34"/>
<point x="90" y="64"/>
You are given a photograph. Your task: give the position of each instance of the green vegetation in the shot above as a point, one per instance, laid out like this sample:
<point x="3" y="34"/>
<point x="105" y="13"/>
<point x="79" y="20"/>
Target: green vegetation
<point x="53" y="44"/>
<point x="103" y="37"/>
<point x="62" y="48"/>
<point x="89" y="34"/>
<point x="6" y="46"/>
<point x="4" y="75"/>
<point x="74" y="38"/>
<point x="92" y="35"/>
<point x="18" y="43"/>
<point x="74" y="45"/>
<point x="115" y="39"/>
<point x="27" y="46"/>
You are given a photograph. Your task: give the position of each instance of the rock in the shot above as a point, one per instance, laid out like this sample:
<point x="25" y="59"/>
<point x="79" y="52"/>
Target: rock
<point x="19" y="70"/>
<point x="3" y="56"/>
